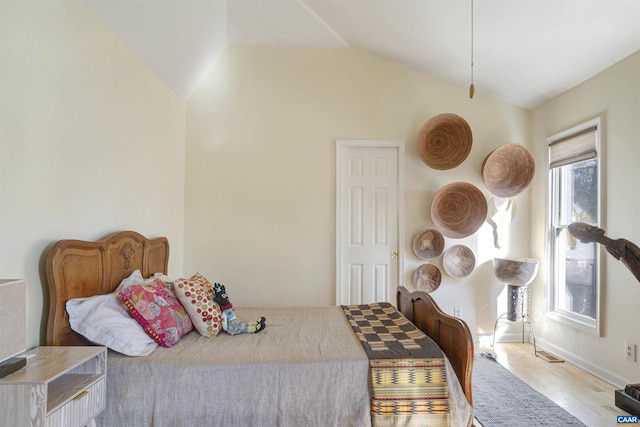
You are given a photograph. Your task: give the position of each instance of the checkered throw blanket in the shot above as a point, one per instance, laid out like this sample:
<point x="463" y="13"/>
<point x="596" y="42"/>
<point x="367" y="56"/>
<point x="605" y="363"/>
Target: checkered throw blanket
<point x="407" y="368"/>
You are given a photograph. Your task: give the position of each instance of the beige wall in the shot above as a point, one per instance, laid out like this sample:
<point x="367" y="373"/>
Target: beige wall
<point x="614" y="95"/>
<point x="260" y="183"/>
<point x="91" y="142"/>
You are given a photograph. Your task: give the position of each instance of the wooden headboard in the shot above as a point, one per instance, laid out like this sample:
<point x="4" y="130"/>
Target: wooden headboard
<point x="77" y="268"/>
<point x="452" y="334"/>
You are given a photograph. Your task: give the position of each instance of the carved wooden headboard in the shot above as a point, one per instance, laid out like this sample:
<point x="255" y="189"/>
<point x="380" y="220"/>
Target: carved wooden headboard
<point x="77" y="268"/>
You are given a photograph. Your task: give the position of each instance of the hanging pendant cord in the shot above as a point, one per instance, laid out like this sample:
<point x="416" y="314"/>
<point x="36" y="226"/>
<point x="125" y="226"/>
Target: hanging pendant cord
<point x="472" y="89"/>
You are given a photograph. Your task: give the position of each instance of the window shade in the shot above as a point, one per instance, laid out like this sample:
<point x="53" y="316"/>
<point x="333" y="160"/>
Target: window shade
<point x="575" y="148"/>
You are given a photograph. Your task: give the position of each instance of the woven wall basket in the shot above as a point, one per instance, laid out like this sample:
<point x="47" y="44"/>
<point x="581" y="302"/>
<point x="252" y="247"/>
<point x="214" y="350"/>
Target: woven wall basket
<point x="458" y="261"/>
<point x="428" y="244"/>
<point x="458" y="210"/>
<point x="427" y="278"/>
<point x="444" y="141"/>
<point x="508" y="170"/>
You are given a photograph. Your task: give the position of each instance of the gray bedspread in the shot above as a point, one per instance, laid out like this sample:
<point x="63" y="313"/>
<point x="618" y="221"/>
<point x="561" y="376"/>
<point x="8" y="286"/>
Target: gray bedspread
<point x="306" y="368"/>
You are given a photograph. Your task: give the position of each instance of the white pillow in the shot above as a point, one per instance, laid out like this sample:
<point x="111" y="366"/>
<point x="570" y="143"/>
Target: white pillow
<point x="136" y="277"/>
<point x="104" y="320"/>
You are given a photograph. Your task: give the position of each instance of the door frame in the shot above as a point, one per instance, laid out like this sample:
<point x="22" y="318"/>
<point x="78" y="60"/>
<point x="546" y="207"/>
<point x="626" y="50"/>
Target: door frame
<point x="342" y="145"/>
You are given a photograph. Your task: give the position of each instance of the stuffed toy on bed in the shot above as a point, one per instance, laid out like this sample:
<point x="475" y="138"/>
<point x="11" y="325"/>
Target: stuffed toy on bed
<point x="230" y="323"/>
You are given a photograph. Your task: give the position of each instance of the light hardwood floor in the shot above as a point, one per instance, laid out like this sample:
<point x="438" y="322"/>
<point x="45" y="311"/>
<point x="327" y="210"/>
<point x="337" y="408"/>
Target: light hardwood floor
<point x="585" y="396"/>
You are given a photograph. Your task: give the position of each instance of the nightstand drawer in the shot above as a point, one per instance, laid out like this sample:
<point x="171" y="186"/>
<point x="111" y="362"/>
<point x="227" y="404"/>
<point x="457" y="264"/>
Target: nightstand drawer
<point x="81" y="408"/>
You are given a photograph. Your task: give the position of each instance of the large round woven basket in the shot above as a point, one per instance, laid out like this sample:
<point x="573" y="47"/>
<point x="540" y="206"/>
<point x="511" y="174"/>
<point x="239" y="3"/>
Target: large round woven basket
<point x="444" y="141"/>
<point x="427" y="278"/>
<point x="458" y="210"/>
<point x="508" y="170"/>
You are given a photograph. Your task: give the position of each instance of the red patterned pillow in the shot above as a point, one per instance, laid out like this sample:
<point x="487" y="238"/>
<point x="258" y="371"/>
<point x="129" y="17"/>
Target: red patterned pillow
<point x="158" y="311"/>
<point x="196" y="295"/>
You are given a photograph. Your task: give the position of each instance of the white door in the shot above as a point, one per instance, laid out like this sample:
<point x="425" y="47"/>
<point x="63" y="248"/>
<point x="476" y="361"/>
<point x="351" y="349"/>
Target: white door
<point x="369" y="220"/>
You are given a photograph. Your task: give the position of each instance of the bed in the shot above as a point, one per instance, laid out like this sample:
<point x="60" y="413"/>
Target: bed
<point x="308" y="367"/>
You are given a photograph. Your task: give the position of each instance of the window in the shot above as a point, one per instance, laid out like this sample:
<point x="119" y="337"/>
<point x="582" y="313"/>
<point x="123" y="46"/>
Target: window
<point x="574" y="196"/>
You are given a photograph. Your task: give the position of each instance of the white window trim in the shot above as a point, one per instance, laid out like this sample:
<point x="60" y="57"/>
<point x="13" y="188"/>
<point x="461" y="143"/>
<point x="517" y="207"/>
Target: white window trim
<point x="575" y="320"/>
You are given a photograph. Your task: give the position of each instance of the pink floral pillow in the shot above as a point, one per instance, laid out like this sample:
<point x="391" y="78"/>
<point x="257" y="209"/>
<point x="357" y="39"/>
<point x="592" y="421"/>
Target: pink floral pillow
<point x="158" y="311"/>
<point x="196" y="295"/>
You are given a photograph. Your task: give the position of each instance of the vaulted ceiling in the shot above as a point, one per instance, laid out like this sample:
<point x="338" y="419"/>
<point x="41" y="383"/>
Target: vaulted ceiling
<point x="524" y="51"/>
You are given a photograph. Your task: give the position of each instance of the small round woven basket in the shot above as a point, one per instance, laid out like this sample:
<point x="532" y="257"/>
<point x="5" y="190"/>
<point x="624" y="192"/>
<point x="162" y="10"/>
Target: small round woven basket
<point x="428" y="244"/>
<point x="458" y="210"/>
<point x="444" y="141"/>
<point x="508" y="170"/>
<point x="427" y="278"/>
<point x="458" y="261"/>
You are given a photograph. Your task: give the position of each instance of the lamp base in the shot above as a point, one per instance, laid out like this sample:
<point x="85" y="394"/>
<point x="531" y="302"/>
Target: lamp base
<point x="518" y="302"/>
<point x="12" y="365"/>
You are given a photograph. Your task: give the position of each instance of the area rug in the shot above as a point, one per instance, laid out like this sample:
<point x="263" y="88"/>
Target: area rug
<point x="502" y="399"/>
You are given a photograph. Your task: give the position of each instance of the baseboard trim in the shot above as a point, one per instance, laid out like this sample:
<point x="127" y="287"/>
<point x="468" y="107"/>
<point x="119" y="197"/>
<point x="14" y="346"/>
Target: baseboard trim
<point x="604" y="374"/>
<point x="612" y="378"/>
<point x="513" y="337"/>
